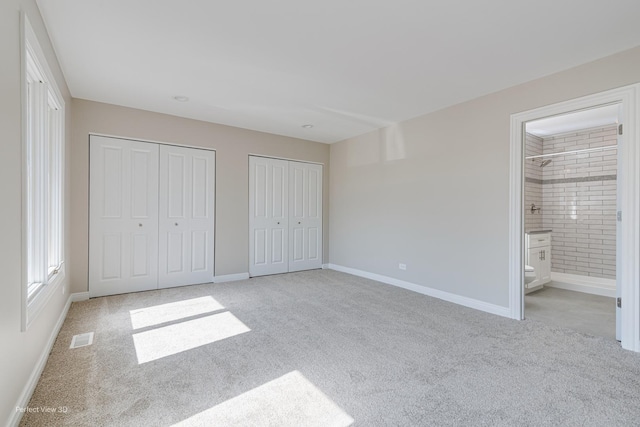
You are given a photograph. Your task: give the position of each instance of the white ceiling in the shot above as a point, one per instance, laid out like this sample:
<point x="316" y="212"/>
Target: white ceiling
<point x="572" y="122"/>
<point x="347" y="67"/>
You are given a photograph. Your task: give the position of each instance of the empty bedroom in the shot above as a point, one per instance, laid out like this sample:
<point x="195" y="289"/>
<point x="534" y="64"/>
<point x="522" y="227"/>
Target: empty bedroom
<point x="333" y="214"/>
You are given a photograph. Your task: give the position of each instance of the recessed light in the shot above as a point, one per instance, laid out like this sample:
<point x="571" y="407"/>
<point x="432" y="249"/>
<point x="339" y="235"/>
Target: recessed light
<point x="307" y="126"/>
<point x="181" y="98"/>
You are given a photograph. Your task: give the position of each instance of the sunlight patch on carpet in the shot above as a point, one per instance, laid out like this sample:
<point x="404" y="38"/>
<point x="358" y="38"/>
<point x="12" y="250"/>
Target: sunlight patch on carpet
<point x="173" y="339"/>
<point x="158" y="314"/>
<point x="291" y="400"/>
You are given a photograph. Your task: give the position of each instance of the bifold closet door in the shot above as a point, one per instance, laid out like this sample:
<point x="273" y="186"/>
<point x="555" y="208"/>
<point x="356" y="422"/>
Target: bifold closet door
<point x="285" y="216"/>
<point x="305" y="216"/>
<point x="268" y="211"/>
<point x="186" y="225"/>
<point x="123" y="216"/>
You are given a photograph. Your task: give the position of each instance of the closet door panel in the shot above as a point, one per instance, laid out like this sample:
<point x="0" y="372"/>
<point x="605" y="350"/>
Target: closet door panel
<point x="175" y="252"/>
<point x="278" y="188"/>
<point x="140" y="265"/>
<point x="297" y="252"/>
<point x="313" y="240"/>
<point x="278" y="246"/>
<point x="305" y="216"/>
<point x="111" y="265"/>
<point x="186" y="230"/>
<point x="123" y="216"/>
<point x="285" y="216"/>
<point x="199" y="189"/>
<point x="199" y="250"/>
<point x="173" y="189"/>
<point x="268" y="211"/>
<point x="260" y="247"/>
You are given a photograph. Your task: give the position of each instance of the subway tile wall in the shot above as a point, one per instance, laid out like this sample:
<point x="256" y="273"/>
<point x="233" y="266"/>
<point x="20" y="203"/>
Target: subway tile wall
<point x="578" y="201"/>
<point x="533" y="183"/>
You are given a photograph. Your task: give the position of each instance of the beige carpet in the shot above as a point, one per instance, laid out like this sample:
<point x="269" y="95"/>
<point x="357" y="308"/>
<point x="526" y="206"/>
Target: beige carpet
<point x="322" y="348"/>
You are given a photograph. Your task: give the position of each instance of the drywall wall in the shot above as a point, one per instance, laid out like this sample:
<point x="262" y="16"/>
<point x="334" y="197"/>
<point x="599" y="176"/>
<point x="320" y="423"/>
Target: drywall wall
<point x="232" y="145"/>
<point x="433" y="192"/>
<point x="21" y="351"/>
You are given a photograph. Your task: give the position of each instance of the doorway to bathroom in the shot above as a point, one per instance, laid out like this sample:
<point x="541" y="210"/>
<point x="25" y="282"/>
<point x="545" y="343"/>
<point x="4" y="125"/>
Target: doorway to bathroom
<point x="575" y="214"/>
<point x="570" y="207"/>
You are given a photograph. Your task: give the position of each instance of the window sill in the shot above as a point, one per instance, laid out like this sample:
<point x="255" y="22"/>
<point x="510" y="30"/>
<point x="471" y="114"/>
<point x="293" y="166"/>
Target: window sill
<point x="32" y="309"/>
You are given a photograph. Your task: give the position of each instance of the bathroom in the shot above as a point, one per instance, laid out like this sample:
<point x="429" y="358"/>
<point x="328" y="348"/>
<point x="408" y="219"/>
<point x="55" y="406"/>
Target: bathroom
<point x="570" y="205"/>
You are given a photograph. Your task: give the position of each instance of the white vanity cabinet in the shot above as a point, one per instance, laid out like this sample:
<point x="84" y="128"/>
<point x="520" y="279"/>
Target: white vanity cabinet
<point x="538" y="256"/>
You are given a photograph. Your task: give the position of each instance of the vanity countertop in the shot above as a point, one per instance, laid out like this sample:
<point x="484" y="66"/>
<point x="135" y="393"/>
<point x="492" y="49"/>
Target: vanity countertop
<point x="538" y="231"/>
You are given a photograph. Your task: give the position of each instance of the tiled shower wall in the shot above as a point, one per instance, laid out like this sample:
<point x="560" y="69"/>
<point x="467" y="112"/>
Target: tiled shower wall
<point x="578" y="201"/>
<point x="532" y="183"/>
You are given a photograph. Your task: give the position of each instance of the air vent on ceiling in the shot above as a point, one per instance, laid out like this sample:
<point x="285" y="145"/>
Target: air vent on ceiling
<point x="82" y="340"/>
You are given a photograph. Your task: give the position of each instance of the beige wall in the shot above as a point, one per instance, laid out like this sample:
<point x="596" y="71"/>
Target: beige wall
<point x="434" y="192"/>
<point x="232" y="145"/>
<point x="20" y="351"/>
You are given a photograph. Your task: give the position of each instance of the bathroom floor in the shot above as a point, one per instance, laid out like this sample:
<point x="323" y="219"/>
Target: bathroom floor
<point x="586" y="313"/>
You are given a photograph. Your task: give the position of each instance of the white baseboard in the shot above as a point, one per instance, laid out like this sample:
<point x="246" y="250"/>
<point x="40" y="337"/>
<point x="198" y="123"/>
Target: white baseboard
<point x="29" y="388"/>
<point x="325" y="266"/>
<point x="585" y="284"/>
<point x="230" y="277"/>
<point x="79" y="296"/>
<point x="436" y="293"/>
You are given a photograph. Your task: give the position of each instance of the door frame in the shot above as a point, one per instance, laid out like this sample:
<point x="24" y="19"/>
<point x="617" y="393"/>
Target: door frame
<point x="629" y="190"/>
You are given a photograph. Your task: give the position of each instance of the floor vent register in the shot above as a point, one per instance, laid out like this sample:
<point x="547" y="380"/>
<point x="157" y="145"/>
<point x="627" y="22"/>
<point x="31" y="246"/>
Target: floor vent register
<point x="82" y="340"/>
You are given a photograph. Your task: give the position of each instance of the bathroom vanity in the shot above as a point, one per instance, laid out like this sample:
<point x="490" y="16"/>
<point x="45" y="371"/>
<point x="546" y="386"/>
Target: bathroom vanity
<point x="538" y="256"/>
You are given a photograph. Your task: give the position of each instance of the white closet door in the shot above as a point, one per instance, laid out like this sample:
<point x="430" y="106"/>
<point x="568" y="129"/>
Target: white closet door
<point x="268" y="210"/>
<point x="186" y="232"/>
<point x="305" y="216"/>
<point x="123" y="216"/>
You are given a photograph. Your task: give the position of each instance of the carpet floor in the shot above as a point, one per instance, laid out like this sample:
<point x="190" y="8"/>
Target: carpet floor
<point x="328" y="349"/>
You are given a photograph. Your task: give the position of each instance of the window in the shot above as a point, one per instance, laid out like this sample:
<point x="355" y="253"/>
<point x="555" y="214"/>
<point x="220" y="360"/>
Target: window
<point x="43" y="182"/>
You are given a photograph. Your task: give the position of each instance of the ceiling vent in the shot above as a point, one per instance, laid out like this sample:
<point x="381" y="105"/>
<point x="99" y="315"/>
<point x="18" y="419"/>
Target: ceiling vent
<point x="82" y="340"/>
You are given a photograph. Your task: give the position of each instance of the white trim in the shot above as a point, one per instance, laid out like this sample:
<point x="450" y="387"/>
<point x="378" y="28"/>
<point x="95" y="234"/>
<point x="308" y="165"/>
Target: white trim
<point x="285" y="158"/>
<point x="152" y="141"/>
<point x="32" y="43"/>
<point x="436" y="293"/>
<point x="42" y="299"/>
<point x="629" y="191"/>
<point x="27" y="392"/>
<point x="516" y="222"/>
<point x="79" y="296"/>
<point x="37" y="226"/>
<point x="583" y="130"/>
<point x="325" y="266"/>
<point x="230" y="277"/>
<point x="584" y="284"/>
